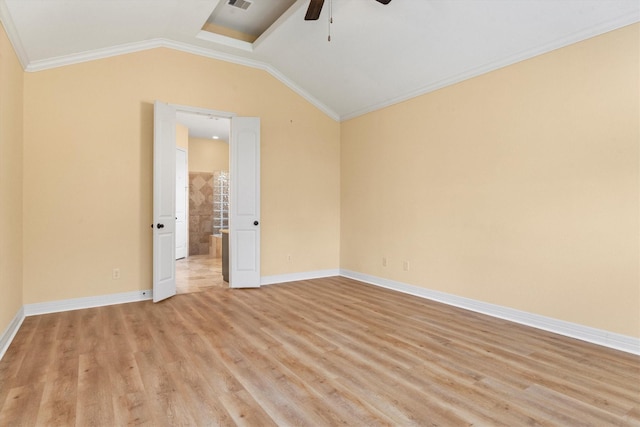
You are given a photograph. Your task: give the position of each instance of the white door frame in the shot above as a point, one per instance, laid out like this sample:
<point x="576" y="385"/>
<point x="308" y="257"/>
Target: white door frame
<point x="203" y="111"/>
<point x="186" y="203"/>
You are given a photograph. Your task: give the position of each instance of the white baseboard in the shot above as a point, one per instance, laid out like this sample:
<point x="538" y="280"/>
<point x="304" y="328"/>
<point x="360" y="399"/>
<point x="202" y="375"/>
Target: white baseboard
<point x="11" y="331"/>
<point x="573" y="330"/>
<point x="294" y="277"/>
<point x="87" y="302"/>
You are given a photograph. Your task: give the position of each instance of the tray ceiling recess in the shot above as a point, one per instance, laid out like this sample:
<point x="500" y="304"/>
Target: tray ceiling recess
<point x="239" y="23"/>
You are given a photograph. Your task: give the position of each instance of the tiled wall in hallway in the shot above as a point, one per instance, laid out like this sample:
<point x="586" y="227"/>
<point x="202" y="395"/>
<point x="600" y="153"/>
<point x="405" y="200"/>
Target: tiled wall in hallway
<point x="200" y="212"/>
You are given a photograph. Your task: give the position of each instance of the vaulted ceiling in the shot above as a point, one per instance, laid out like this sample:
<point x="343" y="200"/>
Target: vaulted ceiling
<point x="378" y="54"/>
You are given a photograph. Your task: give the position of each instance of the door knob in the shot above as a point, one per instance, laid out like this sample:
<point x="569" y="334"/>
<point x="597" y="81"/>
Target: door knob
<point x="160" y="225"/>
<point x="255" y="223"/>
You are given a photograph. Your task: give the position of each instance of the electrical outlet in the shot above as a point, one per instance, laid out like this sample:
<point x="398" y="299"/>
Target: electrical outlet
<point x="384" y="261"/>
<point x="405" y="265"/>
<point x="115" y="274"/>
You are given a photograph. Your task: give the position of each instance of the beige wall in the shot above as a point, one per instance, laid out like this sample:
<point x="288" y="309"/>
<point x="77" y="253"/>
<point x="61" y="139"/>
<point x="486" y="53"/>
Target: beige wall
<point x="88" y="169"/>
<point x="519" y="187"/>
<point x="208" y="155"/>
<point x="11" y="86"/>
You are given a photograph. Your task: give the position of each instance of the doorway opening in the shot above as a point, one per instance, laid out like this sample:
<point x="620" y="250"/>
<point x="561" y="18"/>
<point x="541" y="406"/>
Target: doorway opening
<point x="243" y="253"/>
<point x="202" y="200"/>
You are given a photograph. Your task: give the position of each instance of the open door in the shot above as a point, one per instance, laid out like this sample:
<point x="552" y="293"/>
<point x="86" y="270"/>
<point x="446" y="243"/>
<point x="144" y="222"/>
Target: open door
<point x="244" y="212"/>
<point x="164" y="201"/>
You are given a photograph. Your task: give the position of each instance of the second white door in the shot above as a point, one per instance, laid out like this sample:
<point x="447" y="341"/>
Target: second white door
<point x="244" y="218"/>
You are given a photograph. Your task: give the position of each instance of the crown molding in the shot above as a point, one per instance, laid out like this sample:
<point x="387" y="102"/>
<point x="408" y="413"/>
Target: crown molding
<point x="12" y="33"/>
<point x="303" y="93"/>
<point x="93" y="55"/>
<point x="123" y="49"/>
<point x="34" y="66"/>
<point x="620" y="22"/>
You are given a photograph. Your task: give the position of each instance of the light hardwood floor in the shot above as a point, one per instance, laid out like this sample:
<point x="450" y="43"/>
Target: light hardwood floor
<point x="311" y="353"/>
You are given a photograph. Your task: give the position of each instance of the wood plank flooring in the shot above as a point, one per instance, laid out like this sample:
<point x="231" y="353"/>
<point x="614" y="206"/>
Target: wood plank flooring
<point x="312" y="353"/>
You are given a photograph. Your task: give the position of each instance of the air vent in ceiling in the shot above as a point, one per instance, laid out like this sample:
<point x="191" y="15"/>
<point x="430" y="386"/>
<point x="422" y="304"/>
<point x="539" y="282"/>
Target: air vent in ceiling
<point x="240" y="4"/>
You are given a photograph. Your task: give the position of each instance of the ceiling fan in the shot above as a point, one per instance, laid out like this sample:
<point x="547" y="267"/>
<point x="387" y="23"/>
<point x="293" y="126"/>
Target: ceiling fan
<point x="315" y="7"/>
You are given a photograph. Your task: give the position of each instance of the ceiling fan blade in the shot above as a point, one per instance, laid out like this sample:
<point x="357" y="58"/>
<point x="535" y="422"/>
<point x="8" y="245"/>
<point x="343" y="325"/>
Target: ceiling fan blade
<point x="313" y="13"/>
<point x="384" y="1"/>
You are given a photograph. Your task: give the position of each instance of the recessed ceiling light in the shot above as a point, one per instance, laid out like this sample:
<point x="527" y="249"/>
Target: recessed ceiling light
<point x="215" y="137"/>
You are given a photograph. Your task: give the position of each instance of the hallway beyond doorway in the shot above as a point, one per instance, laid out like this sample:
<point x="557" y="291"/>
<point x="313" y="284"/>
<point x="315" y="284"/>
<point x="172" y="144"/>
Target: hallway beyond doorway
<point x="198" y="273"/>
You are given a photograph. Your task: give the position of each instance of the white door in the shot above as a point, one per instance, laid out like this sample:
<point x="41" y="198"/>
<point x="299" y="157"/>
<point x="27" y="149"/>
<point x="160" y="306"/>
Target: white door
<point x="164" y="201"/>
<point x="181" y="203"/>
<point x="244" y="218"/>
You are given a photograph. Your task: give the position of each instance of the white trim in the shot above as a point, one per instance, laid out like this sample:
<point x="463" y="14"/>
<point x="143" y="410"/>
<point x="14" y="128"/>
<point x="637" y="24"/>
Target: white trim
<point x="12" y="33"/>
<point x="11" y="331"/>
<point x="303" y="93"/>
<point x="86" y="302"/>
<point x="182" y="47"/>
<point x="227" y="41"/>
<point x="66" y="305"/>
<point x="92" y="55"/>
<point x="203" y="111"/>
<point x="294" y="277"/>
<point x="614" y="24"/>
<point x="585" y="333"/>
<point x="32" y="66"/>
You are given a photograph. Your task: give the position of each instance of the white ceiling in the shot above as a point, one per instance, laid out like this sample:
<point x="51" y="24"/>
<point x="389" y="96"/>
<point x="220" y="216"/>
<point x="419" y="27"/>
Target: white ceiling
<point x="205" y="125"/>
<point x="378" y="54"/>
